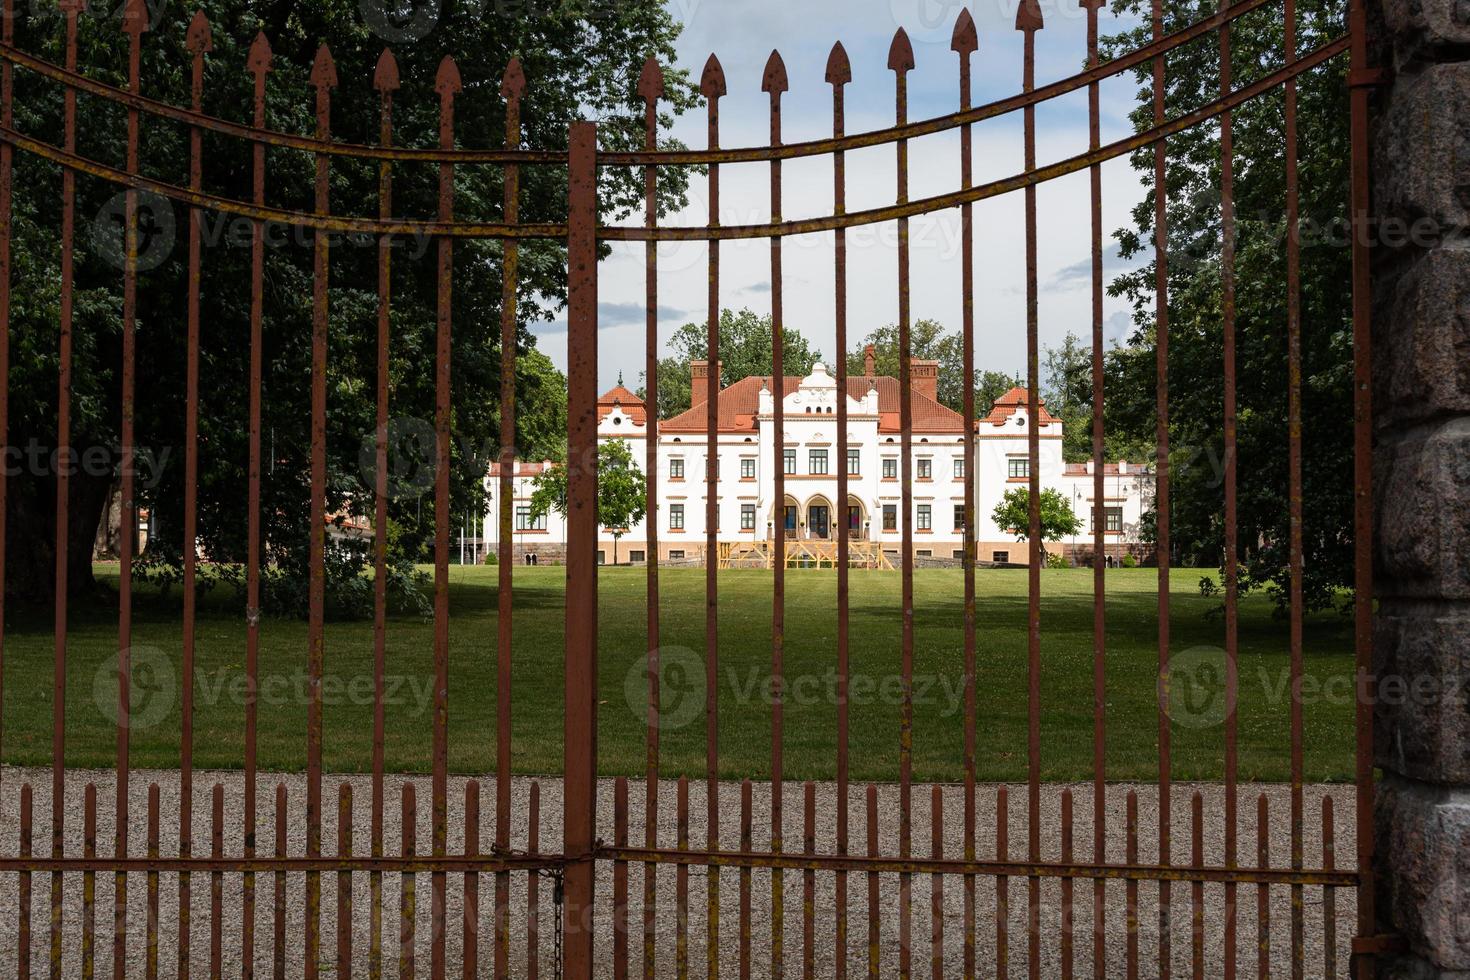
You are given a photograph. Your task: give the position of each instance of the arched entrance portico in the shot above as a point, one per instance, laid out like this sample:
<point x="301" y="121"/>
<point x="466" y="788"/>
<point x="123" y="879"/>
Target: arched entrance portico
<point x="857" y="514"/>
<point x="787" y="520"/>
<point x="819" y="518"/>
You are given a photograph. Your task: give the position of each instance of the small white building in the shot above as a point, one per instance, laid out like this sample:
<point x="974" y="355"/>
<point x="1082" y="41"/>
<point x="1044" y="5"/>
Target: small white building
<point x="749" y="516"/>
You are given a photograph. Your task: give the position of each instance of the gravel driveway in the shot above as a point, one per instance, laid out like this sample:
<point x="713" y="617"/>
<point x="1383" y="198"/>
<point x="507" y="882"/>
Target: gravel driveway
<point x="824" y="946"/>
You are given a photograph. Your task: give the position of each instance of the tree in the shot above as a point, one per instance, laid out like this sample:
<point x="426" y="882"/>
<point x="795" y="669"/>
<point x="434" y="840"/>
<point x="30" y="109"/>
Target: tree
<point x="621" y="490"/>
<point x="1013" y="513"/>
<point x="581" y="60"/>
<point x="1196" y="385"/>
<point x="745" y="351"/>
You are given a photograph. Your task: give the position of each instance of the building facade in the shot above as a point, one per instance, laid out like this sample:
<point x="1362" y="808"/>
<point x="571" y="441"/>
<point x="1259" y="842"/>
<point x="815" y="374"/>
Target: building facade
<point x="810" y="515"/>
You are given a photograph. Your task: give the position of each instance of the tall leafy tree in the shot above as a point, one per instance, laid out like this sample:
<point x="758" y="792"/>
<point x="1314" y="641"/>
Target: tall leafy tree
<point x="745" y="351"/>
<point x="1195" y="320"/>
<point x="621" y="491"/>
<point x="581" y="60"/>
<point x="1013" y="513"/>
<point x="930" y="341"/>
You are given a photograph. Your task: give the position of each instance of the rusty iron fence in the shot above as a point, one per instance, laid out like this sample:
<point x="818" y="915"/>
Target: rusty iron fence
<point x="590" y="874"/>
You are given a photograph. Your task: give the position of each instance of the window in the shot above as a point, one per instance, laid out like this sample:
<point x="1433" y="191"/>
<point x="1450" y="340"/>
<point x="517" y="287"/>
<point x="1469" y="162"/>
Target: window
<point x="602" y="558"/>
<point x="789" y="456"/>
<point x="890" y="517"/>
<point x="890" y="468"/>
<point x="676" y="517"/>
<point x="1112" y="519"/>
<point x="854" y="462"/>
<point x="1018" y="467"/>
<point x="817" y="459"/>
<point x="926" y="517"/>
<point x="676" y="556"/>
<point x="959" y="468"/>
<point x="676" y="468"/>
<point x="924" y="553"/>
<point x="526" y="522"/>
<point x="1000" y="557"/>
<point x="747" y="517"/>
<point x="958" y="554"/>
<point x="959" y="517"/>
<point x="747" y="468"/>
<point x="926" y="468"/>
<point x="637" y="557"/>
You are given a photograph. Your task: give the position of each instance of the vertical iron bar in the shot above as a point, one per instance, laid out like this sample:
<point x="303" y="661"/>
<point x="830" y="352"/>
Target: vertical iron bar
<point x="839" y="74"/>
<point x="71" y="8"/>
<point x="774" y="83"/>
<point x="7" y="177"/>
<point x="1329" y="893"/>
<point x="23" y="889"/>
<point x="1002" y="884"/>
<point x="407" y="893"/>
<point x="1232" y="563"/>
<point x="470" y="941"/>
<point x="1099" y="538"/>
<point x="1067" y="887"/>
<point x="447" y="83"/>
<point x="901" y="61"/>
<point x="580" y="791"/>
<point x="1197" y="888"/>
<point x="875" y="930"/>
<point x="712" y="86"/>
<point x="1161" y="476"/>
<point x="198" y="42"/>
<point x="964" y="42"/>
<point x="533" y="887"/>
<point x="344" y="882"/>
<point x="1131" y="888"/>
<point x="808" y="881"/>
<point x="651" y="87"/>
<point x="386" y="81"/>
<point x="323" y="79"/>
<point x="150" y="967"/>
<point x="1028" y="20"/>
<point x="1294" y="485"/>
<point x="512" y="86"/>
<point x="259" y="65"/>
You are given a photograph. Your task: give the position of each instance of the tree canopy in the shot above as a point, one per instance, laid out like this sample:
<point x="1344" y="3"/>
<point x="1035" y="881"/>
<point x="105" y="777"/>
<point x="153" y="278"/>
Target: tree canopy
<point x="621" y="490"/>
<point x="929" y="341"/>
<point x="581" y="60"/>
<point x="1013" y="514"/>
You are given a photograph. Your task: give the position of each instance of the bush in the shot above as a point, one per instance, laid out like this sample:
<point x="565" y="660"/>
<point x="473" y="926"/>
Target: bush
<point x="1055" y="559"/>
<point x="1207" y="587"/>
<point x="1129" y="561"/>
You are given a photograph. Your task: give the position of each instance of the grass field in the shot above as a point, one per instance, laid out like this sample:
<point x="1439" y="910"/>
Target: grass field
<point x="744" y="709"/>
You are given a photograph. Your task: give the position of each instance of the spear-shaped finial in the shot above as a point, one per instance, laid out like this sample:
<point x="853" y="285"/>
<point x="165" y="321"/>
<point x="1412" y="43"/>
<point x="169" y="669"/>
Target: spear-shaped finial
<point x="513" y="82"/>
<point x="1028" y="16"/>
<point x="385" y="76"/>
<point x="901" y="52"/>
<point x="199" y="39"/>
<point x="712" y="81"/>
<point x="447" y="81"/>
<point x="773" y="80"/>
<point x="259" y="60"/>
<point x="1092" y="5"/>
<point x="135" y="17"/>
<point x="839" y="69"/>
<point x="651" y="81"/>
<point x="965" y="40"/>
<point x="323" y="69"/>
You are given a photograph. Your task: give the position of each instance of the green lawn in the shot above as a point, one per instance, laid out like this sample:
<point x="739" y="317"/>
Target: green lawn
<point x="1066" y="679"/>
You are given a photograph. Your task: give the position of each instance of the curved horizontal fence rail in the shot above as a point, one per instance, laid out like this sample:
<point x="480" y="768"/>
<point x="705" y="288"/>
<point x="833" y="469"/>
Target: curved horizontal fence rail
<point x="806" y="226"/>
<point x="585" y="862"/>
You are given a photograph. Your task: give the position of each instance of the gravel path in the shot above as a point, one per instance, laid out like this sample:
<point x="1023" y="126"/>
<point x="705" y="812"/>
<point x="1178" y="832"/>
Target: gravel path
<point x="824" y="946"/>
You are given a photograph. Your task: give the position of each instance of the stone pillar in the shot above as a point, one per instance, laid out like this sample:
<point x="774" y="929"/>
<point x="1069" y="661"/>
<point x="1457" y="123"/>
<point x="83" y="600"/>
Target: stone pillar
<point x="1421" y="283"/>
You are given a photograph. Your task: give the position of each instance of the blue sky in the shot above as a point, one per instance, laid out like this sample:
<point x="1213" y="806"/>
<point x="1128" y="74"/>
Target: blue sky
<point x="742" y="33"/>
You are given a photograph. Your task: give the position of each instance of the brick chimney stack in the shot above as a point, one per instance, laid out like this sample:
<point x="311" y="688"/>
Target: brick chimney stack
<point x="699" y="382"/>
<point x="870" y="360"/>
<point x="924" y="375"/>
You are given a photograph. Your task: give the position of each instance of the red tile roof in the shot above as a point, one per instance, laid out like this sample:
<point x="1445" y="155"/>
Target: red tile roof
<point x="630" y="404"/>
<point x="521" y="469"/>
<point x="740" y="402"/>
<point x="1005" y="406"/>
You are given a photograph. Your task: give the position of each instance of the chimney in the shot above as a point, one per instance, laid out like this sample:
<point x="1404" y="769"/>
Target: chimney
<point x="870" y="361"/>
<point x="699" y="382"/>
<point x="924" y="376"/>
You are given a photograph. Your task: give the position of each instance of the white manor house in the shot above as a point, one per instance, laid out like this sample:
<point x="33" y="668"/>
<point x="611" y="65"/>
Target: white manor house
<point x="810" y="515"/>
